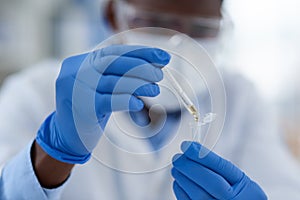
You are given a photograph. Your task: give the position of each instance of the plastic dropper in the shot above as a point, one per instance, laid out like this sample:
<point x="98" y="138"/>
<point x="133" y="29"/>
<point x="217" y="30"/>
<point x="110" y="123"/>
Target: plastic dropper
<point x="183" y="96"/>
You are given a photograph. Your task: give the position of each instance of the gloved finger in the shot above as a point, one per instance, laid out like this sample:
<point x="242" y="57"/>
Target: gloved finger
<point x="212" y="161"/>
<point x="119" y="85"/>
<point x="193" y="190"/>
<point x="155" y="56"/>
<point x="71" y="64"/>
<point x="149" y="90"/>
<point x="128" y="66"/>
<point x="211" y="182"/>
<point x="179" y="192"/>
<point x="141" y="118"/>
<point x="106" y="103"/>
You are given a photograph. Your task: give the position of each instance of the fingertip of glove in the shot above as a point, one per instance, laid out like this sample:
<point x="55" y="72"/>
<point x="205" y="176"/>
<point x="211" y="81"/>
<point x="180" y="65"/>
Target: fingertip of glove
<point x="186" y="145"/>
<point x="139" y="105"/>
<point x="158" y="74"/>
<point x="150" y="90"/>
<point x="176" y="187"/>
<point x="194" y="150"/>
<point x="155" y="90"/>
<point x="173" y="172"/>
<point x="163" y="56"/>
<point x="136" y="105"/>
<point x="176" y="156"/>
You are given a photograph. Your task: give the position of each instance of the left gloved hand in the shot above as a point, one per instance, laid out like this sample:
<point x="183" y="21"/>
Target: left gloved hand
<point x="210" y="177"/>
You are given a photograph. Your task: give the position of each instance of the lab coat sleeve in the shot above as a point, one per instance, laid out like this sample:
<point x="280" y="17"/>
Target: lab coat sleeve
<point x="26" y="99"/>
<point x="264" y="155"/>
<point x="18" y="180"/>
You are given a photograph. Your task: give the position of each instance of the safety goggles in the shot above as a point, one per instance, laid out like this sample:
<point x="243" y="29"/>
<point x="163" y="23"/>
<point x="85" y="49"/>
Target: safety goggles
<point x="198" y="27"/>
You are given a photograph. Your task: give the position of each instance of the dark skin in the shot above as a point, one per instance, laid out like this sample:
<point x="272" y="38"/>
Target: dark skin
<point x="203" y="8"/>
<point x="52" y="173"/>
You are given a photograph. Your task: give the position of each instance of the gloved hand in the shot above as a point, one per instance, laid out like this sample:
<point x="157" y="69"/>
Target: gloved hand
<point x="210" y="177"/>
<point x="89" y="88"/>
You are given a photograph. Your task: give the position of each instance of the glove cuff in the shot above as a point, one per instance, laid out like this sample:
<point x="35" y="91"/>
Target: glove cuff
<point x="44" y="140"/>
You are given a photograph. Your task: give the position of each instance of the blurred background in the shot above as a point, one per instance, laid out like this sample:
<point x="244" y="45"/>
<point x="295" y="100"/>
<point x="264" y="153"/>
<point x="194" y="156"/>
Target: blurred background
<point x="32" y="30"/>
<point x="264" y="45"/>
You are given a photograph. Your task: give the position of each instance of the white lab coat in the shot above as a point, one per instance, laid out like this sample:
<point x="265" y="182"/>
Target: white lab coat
<point x="249" y="139"/>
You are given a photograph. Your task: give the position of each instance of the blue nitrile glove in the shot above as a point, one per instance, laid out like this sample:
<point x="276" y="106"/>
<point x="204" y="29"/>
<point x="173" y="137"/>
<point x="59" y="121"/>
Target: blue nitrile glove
<point x="210" y="177"/>
<point x="125" y="72"/>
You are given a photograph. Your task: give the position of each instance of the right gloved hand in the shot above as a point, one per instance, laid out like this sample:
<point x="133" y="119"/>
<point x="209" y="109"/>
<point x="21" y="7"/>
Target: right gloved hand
<point x="89" y="88"/>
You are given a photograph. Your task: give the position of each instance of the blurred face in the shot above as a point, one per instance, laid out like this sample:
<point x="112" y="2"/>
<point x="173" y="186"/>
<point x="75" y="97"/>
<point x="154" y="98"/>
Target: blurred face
<point x="202" y="8"/>
<point x="197" y="18"/>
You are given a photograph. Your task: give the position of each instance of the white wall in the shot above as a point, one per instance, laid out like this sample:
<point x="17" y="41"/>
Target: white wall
<point x="266" y="49"/>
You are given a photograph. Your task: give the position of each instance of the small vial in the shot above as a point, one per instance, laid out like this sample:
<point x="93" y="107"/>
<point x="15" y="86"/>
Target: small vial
<point x="208" y="118"/>
<point x="196" y="127"/>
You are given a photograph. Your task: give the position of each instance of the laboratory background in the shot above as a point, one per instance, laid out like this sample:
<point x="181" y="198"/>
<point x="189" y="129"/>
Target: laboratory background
<point x="263" y="44"/>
